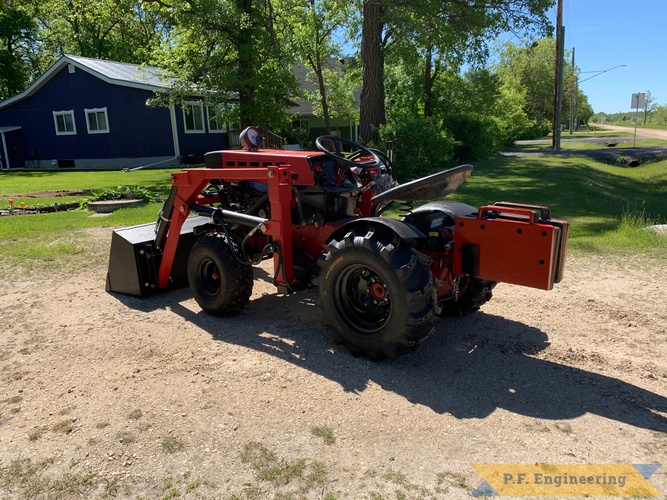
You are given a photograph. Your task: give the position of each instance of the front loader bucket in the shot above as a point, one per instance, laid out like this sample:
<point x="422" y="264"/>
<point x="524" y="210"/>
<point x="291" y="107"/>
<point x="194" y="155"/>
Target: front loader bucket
<point x="134" y="259"/>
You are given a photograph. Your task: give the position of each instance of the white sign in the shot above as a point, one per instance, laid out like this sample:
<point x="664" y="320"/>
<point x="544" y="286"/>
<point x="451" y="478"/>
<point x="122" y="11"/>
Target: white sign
<point x="638" y="100"/>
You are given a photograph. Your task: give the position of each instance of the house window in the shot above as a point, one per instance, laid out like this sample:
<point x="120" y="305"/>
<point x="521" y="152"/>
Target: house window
<point x="215" y="124"/>
<point x="97" y="121"/>
<point x="301" y="124"/>
<point x="65" y="124"/>
<point x="193" y="116"/>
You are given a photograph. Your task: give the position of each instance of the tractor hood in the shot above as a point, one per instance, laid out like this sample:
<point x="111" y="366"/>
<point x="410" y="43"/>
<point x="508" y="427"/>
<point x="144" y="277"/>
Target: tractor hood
<point x="431" y="187"/>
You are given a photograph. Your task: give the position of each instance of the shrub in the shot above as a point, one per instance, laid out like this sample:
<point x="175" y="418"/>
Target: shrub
<point x="422" y="146"/>
<point x="298" y="136"/>
<point x="125" y="193"/>
<point x="535" y="130"/>
<point x="476" y="136"/>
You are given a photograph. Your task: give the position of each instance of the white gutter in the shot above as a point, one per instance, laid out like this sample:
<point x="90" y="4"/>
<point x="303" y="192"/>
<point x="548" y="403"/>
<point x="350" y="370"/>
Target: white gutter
<point x="174" y="129"/>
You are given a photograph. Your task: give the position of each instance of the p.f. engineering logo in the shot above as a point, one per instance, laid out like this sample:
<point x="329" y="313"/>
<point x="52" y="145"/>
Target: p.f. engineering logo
<point x="623" y="480"/>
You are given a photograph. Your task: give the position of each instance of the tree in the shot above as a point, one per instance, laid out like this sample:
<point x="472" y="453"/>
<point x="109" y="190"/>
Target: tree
<point x="447" y="23"/>
<point x="117" y="30"/>
<point x="228" y="49"/>
<point x="18" y="32"/>
<point x="659" y="115"/>
<point x="529" y="69"/>
<point x="650" y="105"/>
<point x="371" y="104"/>
<point x="311" y="26"/>
<point x="335" y="82"/>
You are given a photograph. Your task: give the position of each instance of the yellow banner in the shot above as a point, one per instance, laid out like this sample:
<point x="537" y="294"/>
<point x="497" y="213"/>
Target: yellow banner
<point x="625" y="480"/>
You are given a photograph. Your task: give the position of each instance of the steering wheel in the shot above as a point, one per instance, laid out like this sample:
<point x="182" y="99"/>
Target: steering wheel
<point x="357" y="151"/>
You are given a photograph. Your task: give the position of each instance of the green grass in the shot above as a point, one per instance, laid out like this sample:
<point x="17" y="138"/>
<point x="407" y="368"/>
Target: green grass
<point x="60" y="239"/>
<point x="172" y="445"/>
<point x="607" y="205"/>
<point x="125" y="437"/>
<point x="14" y="183"/>
<point x="323" y="432"/>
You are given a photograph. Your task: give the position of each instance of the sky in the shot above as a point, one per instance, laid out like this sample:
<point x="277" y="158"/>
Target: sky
<point x="610" y="33"/>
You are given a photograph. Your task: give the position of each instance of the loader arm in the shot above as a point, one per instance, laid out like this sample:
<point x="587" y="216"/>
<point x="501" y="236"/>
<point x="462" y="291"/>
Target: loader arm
<point x="186" y="188"/>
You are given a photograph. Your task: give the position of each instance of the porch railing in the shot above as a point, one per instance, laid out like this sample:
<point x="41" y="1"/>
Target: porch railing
<point x="271" y="140"/>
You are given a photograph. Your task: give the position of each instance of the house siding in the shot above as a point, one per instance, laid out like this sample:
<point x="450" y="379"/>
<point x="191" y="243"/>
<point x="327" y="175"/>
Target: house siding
<point x="137" y="133"/>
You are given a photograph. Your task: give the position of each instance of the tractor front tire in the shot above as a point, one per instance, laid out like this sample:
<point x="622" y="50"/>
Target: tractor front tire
<point x="376" y="293"/>
<point x="220" y="284"/>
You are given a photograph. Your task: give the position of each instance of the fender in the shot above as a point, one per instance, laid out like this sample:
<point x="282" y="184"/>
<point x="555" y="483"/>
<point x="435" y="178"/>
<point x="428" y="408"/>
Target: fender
<point x="452" y="209"/>
<point x="400" y="228"/>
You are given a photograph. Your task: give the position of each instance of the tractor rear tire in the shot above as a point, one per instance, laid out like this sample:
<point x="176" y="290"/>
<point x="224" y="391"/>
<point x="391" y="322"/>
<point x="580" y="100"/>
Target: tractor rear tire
<point x="220" y="284"/>
<point x="477" y="292"/>
<point x="376" y="293"/>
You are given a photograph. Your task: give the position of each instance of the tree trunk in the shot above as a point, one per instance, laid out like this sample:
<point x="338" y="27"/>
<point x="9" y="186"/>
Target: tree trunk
<point x="429" y="78"/>
<point x="316" y="64"/>
<point x="372" y="110"/>
<point x="319" y="72"/>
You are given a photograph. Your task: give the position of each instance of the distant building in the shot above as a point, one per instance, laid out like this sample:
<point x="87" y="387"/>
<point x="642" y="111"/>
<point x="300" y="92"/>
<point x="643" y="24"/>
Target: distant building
<point x="302" y="114"/>
<point x="89" y="113"/>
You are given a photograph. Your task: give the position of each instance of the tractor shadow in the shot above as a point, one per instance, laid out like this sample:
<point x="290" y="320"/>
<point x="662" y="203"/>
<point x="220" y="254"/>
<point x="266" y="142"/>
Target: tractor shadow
<point x="470" y="367"/>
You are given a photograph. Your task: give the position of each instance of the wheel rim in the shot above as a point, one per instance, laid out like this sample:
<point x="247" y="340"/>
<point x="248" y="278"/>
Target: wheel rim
<point x="209" y="276"/>
<point x="364" y="300"/>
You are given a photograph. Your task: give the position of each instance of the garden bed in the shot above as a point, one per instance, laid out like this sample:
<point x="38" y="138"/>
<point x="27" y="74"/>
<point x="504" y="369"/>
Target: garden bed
<point x="108" y="206"/>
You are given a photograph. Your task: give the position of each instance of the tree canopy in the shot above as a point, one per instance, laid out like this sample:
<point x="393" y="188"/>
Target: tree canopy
<point x="418" y="65"/>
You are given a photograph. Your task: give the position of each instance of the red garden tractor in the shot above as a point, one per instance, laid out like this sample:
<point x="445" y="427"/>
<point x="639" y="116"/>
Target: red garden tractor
<point x="321" y="216"/>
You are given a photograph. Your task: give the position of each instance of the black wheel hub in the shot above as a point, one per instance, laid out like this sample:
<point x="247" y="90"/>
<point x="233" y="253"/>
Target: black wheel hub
<point x="209" y="276"/>
<point x="364" y="300"/>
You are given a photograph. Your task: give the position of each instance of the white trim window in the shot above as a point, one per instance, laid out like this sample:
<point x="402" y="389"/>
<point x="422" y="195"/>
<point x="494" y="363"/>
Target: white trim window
<point x="97" y="121"/>
<point x="215" y="124"/>
<point x="301" y="125"/>
<point x="64" y="122"/>
<point x="193" y="117"/>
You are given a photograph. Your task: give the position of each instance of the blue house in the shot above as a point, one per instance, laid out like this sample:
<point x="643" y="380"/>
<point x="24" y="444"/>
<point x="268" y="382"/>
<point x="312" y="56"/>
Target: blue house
<point x="88" y="113"/>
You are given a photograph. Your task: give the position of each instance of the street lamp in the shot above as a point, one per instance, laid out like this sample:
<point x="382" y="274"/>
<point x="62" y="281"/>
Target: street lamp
<point x="576" y="88"/>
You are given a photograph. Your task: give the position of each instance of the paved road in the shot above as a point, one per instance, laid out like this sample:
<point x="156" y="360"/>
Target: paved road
<point x="641" y="132"/>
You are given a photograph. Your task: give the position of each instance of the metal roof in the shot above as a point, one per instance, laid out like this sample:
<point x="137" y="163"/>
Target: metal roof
<point x="124" y="73"/>
<point x="115" y="73"/>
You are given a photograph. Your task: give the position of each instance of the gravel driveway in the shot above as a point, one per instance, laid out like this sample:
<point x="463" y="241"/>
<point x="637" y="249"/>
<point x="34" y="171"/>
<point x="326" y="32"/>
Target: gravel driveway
<point x="108" y="396"/>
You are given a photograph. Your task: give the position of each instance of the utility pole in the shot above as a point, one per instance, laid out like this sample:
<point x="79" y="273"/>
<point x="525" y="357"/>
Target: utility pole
<point x="572" y="94"/>
<point x="558" y="80"/>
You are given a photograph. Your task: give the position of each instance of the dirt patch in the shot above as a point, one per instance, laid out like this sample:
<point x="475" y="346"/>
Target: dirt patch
<point x="54" y="194"/>
<point x="105" y="395"/>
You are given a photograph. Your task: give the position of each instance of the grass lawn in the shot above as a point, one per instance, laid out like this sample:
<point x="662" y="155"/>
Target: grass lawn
<point x="59" y="240"/>
<point x="608" y="206"/>
<point x="14" y="184"/>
